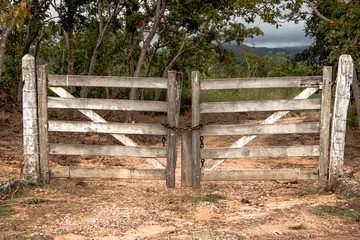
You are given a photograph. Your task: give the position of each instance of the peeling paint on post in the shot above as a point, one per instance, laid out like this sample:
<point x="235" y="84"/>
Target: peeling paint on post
<point x="30" y="121"/>
<point x="342" y="98"/>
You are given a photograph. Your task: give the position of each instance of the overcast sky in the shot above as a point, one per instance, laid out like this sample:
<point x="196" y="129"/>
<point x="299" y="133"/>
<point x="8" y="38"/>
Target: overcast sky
<point x="288" y="35"/>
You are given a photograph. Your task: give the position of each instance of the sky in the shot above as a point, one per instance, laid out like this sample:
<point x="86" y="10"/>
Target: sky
<point x="288" y="35"/>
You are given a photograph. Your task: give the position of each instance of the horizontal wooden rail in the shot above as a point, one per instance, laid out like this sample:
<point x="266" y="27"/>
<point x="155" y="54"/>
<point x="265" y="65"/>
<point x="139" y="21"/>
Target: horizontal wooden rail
<point x="113" y="128"/>
<point x="258" y="152"/>
<point x="106" y="150"/>
<point x="106" y="81"/>
<point x="273" y="82"/>
<point x="261" y="106"/>
<point x="74" y="172"/>
<point x="260" y="174"/>
<point x="285" y="128"/>
<point x="107" y="104"/>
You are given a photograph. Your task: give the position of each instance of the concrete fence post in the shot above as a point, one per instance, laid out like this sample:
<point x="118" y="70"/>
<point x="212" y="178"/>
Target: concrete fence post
<point x="30" y="120"/>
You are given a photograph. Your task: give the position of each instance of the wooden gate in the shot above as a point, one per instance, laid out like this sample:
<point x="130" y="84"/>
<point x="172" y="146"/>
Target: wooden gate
<point x="196" y="173"/>
<point x="86" y="106"/>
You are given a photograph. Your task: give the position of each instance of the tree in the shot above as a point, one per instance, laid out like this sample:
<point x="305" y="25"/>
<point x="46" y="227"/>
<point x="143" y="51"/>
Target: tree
<point x="70" y="15"/>
<point x="11" y="15"/>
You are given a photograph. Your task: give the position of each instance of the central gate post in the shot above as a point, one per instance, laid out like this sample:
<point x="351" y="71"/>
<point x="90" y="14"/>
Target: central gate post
<point x="195" y="89"/>
<point x="174" y="99"/>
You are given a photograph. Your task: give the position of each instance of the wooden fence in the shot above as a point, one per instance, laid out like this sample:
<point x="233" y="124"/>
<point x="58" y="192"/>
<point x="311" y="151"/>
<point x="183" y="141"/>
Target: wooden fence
<point x="195" y="173"/>
<point x="98" y="125"/>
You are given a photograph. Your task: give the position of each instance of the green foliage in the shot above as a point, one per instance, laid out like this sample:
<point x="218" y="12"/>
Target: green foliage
<point x="340" y="36"/>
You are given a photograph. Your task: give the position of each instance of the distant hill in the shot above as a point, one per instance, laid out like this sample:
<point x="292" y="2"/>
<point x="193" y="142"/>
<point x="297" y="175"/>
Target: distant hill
<point x="263" y="51"/>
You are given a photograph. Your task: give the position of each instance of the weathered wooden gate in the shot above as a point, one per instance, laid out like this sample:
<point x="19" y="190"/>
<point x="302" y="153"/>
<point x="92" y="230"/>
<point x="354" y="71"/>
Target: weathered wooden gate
<point x="330" y="165"/>
<point x="98" y="124"/>
<point x="250" y="132"/>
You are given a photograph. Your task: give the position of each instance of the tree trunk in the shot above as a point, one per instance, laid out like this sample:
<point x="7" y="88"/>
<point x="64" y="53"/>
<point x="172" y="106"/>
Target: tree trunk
<point x="5" y="34"/>
<point x="70" y="44"/>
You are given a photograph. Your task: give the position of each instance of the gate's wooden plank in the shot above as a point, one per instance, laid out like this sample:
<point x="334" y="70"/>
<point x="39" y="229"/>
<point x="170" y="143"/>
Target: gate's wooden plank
<point x="254" y="152"/>
<point x="106" y="150"/>
<point x="289" y="128"/>
<point x="272" y="82"/>
<point x="107" y="81"/>
<point x="115" y="128"/>
<point x="147" y="174"/>
<point x="263" y="174"/>
<point x="260" y="106"/>
<point x="93" y="116"/>
<point x="107" y="104"/>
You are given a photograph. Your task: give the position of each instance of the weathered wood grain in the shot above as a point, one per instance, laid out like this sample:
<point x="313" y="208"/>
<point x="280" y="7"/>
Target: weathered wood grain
<point x="172" y="119"/>
<point x="106" y="150"/>
<point x="73" y="172"/>
<point x="237" y="129"/>
<point x="263" y="174"/>
<point x="258" y="152"/>
<point x="325" y="127"/>
<point x="107" y="127"/>
<point x="272" y="82"/>
<point x="195" y="88"/>
<point x="107" y="81"/>
<point x="107" y="104"/>
<point x="43" y="126"/>
<point x="260" y="106"/>
<point x="186" y="162"/>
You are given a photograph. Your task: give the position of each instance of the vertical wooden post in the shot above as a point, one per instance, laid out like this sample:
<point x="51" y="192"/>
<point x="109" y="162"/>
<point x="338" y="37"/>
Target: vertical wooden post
<point x="43" y="123"/>
<point x="356" y="91"/>
<point x="173" y="120"/>
<point x="338" y="131"/>
<point x="195" y="88"/>
<point x="325" y="127"/>
<point x="30" y="125"/>
<point x="186" y="160"/>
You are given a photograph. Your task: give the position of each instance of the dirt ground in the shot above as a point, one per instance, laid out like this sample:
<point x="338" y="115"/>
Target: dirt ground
<point x="137" y="209"/>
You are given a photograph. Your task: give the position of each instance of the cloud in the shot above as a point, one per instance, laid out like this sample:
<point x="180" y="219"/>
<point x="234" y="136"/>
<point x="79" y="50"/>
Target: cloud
<point x="288" y="35"/>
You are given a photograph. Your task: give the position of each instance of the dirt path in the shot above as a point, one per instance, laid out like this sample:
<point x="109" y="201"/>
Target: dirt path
<point x="124" y="209"/>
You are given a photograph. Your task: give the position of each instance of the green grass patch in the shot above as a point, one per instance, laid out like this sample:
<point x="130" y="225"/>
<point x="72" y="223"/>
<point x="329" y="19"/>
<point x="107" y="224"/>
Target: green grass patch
<point x="53" y="115"/>
<point x="353" y="213"/>
<point x="6" y="212"/>
<point x="213" y="197"/>
<point x="298" y="227"/>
